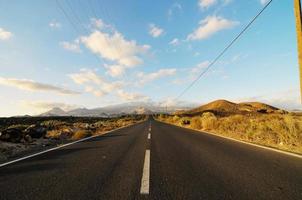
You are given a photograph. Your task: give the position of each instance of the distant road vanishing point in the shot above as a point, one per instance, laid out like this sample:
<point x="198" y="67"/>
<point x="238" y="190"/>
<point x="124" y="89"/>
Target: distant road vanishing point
<point x="153" y="160"/>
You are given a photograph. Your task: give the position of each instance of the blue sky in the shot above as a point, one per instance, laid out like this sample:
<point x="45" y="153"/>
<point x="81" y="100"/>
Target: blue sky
<point x="76" y="53"/>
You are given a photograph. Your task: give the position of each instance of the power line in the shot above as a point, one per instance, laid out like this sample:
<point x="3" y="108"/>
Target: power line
<point x="224" y="50"/>
<point x="68" y="18"/>
<point x="76" y="23"/>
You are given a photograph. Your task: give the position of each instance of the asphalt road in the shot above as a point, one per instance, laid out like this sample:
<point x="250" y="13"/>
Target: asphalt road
<point x="183" y="164"/>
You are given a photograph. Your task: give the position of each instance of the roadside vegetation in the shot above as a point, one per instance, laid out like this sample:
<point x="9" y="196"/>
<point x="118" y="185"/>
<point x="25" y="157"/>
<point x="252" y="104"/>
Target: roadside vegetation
<point x="21" y="134"/>
<point x="269" y="127"/>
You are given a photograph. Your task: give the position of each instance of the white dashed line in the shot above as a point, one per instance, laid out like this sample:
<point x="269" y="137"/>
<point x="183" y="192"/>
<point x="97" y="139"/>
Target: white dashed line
<point x="149" y="136"/>
<point x="145" y="184"/>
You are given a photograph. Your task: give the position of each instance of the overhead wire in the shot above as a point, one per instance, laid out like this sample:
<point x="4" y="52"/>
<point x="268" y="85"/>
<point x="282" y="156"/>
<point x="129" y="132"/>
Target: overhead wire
<point x="224" y="50"/>
<point x="74" y="23"/>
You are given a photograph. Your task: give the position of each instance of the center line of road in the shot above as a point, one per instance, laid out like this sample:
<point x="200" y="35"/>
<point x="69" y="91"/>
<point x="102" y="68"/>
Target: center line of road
<point x="149" y="136"/>
<point x="145" y="184"/>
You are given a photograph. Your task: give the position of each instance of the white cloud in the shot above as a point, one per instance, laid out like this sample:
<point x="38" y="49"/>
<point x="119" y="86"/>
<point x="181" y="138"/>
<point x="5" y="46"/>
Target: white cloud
<point x="211" y="25"/>
<point x="200" y="67"/>
<point x="115" y="70"/>
<point x="95" y="92"/>
<point x="114" y="47"/>
<point x="5" y="35"/>
<point x="155" y="31"/>
<point x="97" y="23"/>
<point x="191" y="73"/>
<point x="100" y="87"/>
<point x="144" y="78"/>
<point x="71" y="46"/>
<point x="94" y="83"/>
<point x="54" y="24"/>
<point x="100" y="25"/>
<point x="174" y="42"/>
<point x="203" y="4"/>
<point x="86" y="76"/>
<point x="174" y="8"/>
<point x="30" y="85"/>
<point x="286" y="99"/>
<point x="131" y="96"/>
<point x="263" y="2"/>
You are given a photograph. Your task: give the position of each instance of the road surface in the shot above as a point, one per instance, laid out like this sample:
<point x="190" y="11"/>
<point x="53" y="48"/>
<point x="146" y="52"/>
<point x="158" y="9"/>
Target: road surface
<point x="161" y="162"/>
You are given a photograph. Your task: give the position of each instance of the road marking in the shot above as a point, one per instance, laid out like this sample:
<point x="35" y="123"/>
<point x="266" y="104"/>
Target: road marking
<point x="150" y="129"/>
<point x="145" y="184"/>
<point x="149" y="136"/>
<point x="255" y="145"/>
<point x="244" y="142"/>
<point x="61" y="146"/>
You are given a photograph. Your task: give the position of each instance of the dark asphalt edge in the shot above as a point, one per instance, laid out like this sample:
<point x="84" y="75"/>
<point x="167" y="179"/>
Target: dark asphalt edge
<point x="67" y="144"/>
<point x="288" y="153"/>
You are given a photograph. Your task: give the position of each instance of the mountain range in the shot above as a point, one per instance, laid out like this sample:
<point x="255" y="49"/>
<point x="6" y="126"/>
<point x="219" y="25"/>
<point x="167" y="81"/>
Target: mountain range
<point x="119" y="109"/>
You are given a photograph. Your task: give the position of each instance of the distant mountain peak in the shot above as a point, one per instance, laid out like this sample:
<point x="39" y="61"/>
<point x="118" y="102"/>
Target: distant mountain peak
<point x="115" y="110"/>
<point x="56" y="111"/>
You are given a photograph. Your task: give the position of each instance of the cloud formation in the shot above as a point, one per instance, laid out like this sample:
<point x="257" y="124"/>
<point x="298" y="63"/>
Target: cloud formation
<point x="4" y="34"/>
<point x="94" y="83"/>
<point x="115" y="70"/>
<point x="176" y="7"/>
<point x="263" y="2"/>
<point x="200" y="67"/>
<point x="144" y="78"/>
<point x="131" y="96"/>
<point x="174" y="42"/>
<point x="54" y="24"/>
<point x="114" y="47"/>
<point x="100" y="87"/>
<point x="71" y="46"/>
<point x="204" y="4"/>
<point x="155" y="31"/>
<point x="30" y="85"/>
<point x="286" y="99"/>
<point x="211" y="25"/>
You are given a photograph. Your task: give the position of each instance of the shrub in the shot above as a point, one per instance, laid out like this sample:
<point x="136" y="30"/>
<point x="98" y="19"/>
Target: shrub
<point x="209" y="121"/>
<point x="175" y="119"/>
<point x="196" y="123"/>
<point x="81" y="134"/>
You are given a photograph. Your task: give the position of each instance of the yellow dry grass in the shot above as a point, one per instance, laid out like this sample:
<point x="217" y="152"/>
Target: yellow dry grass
<point x="80" y="130"/>
<point x="282" y="131"/>
<point x="79" y="134"/>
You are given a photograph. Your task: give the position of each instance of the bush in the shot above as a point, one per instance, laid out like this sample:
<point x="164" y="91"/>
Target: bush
<point x="185" y="121"/>
<point x="81" y="134"/>
<point x="196" y="123"/>
<point x="209" y="121"/>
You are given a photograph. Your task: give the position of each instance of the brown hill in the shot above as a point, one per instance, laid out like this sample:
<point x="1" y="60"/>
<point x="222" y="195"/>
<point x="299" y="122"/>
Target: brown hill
<point x="224" y="107"/>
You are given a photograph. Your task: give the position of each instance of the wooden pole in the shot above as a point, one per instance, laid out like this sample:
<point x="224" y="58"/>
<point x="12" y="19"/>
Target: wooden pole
<point x="298" y="14"/>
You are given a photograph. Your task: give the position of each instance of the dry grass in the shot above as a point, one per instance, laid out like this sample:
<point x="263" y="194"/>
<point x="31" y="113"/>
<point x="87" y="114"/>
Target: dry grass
<point x="81" y="134"/>
<point x="282" y="131"/>
<point x="81" y="130"/>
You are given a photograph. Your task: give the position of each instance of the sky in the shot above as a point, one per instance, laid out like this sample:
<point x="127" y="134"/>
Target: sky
<point x="94" y="53"/>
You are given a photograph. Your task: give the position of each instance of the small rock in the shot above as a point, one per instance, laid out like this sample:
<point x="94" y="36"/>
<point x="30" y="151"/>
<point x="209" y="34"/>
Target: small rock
<point x="36" y="131"/>
<point x="28" y="138"/>
<point x="11" y="135"/>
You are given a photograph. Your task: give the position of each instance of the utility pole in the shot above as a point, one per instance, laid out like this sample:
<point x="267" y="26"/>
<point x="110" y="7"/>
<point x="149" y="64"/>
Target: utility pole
<point x="297" y="6"/>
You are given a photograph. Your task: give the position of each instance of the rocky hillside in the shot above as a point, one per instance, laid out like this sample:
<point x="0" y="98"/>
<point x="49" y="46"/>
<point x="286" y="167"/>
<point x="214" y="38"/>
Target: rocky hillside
<point x="224" y="107"/>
